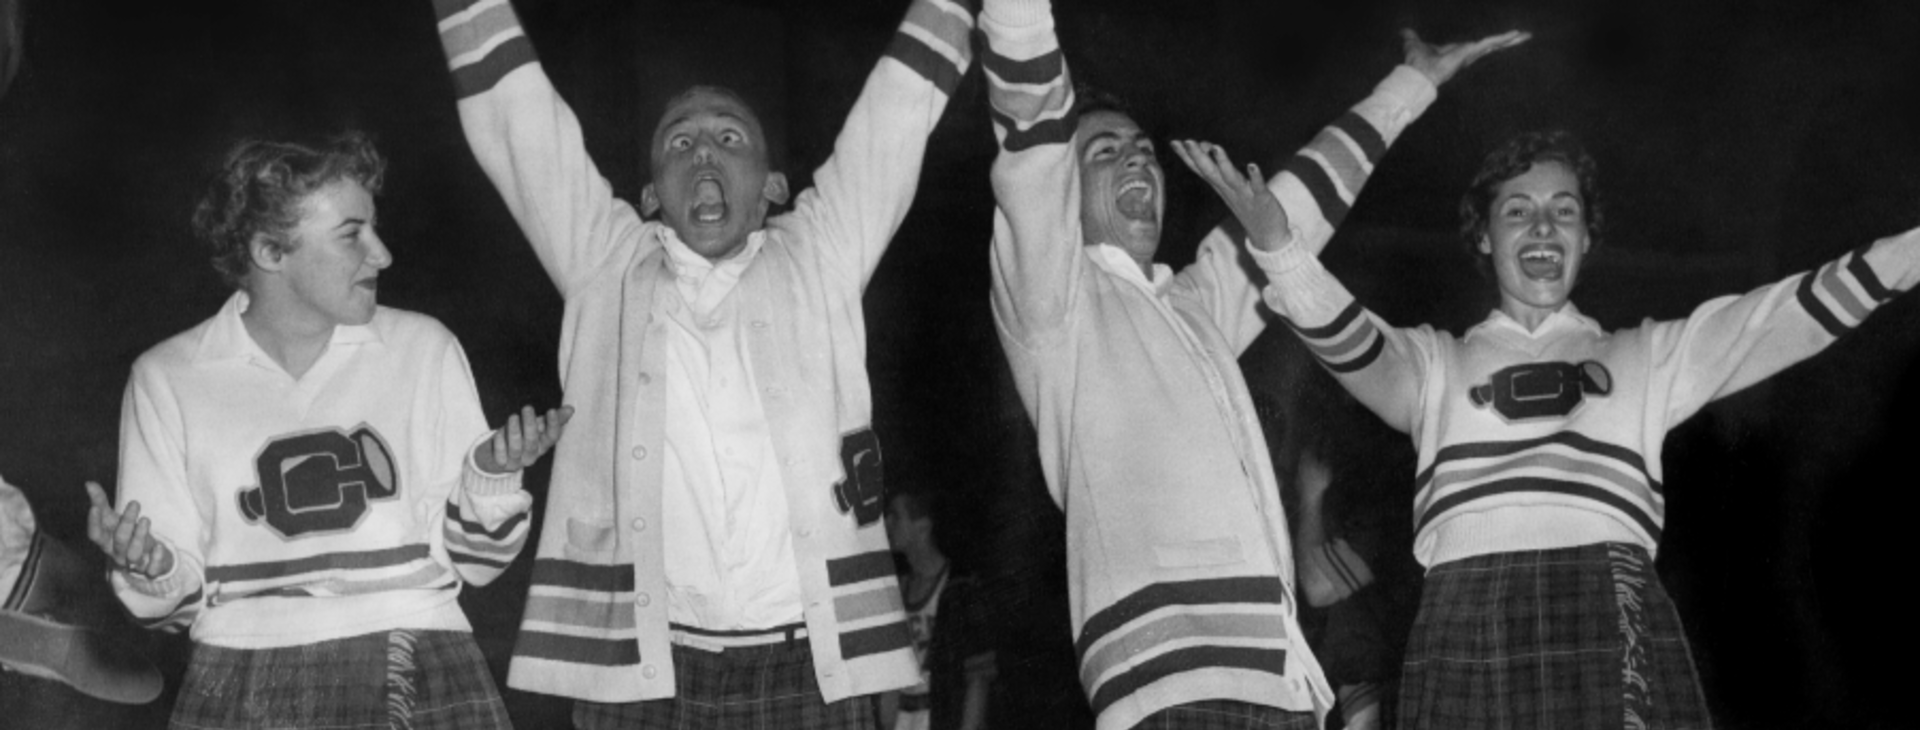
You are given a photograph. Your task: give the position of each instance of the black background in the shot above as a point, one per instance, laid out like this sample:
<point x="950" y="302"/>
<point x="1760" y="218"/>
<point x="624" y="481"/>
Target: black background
<point x="1739" y="142"/>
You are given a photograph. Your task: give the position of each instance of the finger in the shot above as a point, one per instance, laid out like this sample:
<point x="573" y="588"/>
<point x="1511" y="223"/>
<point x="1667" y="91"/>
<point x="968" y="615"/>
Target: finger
<point x="1183" y="150"/>
<point x="530" y="418"/>
<point x="97" y="495"/>
<point x="1219" y="157"/>
<point x="123" y="533"/>
<point x="137" y="547"/>
<point x="1253" y="173"/>
<point x="1409" y="40"/>
<point x="515" y="441"/>
<point x="499" y="445"/>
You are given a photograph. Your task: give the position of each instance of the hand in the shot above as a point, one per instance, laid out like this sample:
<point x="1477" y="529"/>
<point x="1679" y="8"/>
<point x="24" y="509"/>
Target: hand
<point x="125" y="536"/>
<point x="1247" y="195"/>
<point x="1315" y="477"/>
<point x="526" y="437"/>
<point x="1441" y="63"/>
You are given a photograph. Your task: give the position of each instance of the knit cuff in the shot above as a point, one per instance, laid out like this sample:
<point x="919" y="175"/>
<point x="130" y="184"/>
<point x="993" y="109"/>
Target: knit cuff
<point x="1017" y="13"/>
<point x="1281" y="260"/>
<point x="480" y="483"/>
<point x="175" y="582"/>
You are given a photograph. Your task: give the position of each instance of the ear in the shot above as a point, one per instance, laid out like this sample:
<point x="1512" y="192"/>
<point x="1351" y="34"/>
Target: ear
<point x="649" y="201"/>
<point x="266" y="256"/>
<point x="1486" y="245"/>
<point x="775" y="191"/>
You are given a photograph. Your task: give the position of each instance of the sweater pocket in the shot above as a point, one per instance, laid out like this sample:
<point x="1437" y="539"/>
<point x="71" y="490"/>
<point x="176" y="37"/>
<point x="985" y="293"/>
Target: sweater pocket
<point x="589" y="542"/>
<point x="1198" y="553"/>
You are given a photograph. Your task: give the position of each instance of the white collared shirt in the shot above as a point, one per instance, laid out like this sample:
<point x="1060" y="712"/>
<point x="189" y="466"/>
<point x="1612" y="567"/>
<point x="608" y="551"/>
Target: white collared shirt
<point x="729" y="554"/>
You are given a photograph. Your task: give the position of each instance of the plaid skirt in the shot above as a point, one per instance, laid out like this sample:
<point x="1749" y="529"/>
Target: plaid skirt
<point x="754" y="687"/>
<point x="390" y="680"/>
<point x="1227" y="715"/>
<point x="1581" y="637"/>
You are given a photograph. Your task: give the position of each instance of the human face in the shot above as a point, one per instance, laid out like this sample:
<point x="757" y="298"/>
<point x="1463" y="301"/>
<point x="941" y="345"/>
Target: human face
<point x="1537" y="236"/>
<point x="1122" y="189"/>
<point x="333" y="266"/>
<point x="902" y="528"/>
<point x="710" y="179"/>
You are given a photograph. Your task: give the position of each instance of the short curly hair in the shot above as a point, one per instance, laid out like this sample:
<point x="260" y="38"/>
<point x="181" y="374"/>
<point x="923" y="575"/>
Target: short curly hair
<point x="1513" y="159"/>
<point x="261" y="186"/>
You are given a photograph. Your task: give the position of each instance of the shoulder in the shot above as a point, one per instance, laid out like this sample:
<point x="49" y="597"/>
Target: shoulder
<point x="410" y="329"/>
<point x="174" y="353"/>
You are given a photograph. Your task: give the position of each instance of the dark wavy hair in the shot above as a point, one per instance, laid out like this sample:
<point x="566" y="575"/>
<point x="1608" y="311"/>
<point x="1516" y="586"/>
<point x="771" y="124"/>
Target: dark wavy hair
<point x="259" y="190"/>
<point x="1512" y="159"/>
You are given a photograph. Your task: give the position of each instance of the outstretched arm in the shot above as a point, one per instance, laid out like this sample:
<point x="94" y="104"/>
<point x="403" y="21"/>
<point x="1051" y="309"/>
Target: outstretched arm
<point x="1319" y="184"/>
<point x="1732" y="342"/>
<point x="529" y="143"/>
<point x="863" y="190"/>
<point x="1036" y="181"/>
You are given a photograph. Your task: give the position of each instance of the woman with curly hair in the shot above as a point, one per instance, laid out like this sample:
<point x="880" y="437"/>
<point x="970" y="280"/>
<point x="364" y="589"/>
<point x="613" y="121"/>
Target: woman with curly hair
<point x="306" y="479"/>
<point x="1538" y="502"/>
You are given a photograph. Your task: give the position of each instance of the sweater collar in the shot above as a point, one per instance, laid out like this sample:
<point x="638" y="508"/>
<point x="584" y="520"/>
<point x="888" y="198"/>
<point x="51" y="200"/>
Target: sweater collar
<point x="1567" y="318"/>
<point x="1117" y="262"/>
<point x="227" y="338"/>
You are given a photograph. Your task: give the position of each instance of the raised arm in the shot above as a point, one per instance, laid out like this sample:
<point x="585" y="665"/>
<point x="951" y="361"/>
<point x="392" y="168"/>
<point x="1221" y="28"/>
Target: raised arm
<point x="529" y="143"/>
<point x="1319" y="184"/>
<point x="863" y="190"/>
<point x="1036" y="181"/>
<point x="1732" y="342"/>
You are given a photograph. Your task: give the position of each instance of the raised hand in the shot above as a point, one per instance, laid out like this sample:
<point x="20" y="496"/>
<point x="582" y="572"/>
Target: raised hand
<point x="526" y="437"/>
<point x="1440" y="63"/>
<point x="125" y="536"/>
<point x="1247" y="195"/>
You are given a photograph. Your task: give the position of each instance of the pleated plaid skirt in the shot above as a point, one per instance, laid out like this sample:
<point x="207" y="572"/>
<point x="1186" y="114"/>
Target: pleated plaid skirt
<point x="1581" y="637"/>
<point x="391" y="680"/>
<point x="740" y="688"/>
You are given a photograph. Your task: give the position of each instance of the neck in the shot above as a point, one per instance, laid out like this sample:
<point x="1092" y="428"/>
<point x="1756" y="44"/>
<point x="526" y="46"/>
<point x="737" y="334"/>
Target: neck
<point x="293" y="341"/>
<point x="1529" y="317"/>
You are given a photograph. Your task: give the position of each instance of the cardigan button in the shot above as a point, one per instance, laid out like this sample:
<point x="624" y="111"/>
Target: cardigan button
<point x="644" y="600"/>
<point x="640" y="452"/>
<point x="647" y="670"/>
<point x="639" y="524"/>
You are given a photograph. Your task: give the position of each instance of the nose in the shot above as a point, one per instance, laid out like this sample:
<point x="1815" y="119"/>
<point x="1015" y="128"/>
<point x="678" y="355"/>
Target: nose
<point x="703" y="150"/>
<point x="378" y="256"/>
<point x="1542" y="223"/>
<point x="1138" y="159"/>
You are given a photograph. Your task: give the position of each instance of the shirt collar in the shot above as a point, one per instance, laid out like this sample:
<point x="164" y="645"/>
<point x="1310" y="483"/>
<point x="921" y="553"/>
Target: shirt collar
<point x="227" y="338"/>
<point x="1565" y="318"/>
<point x="1118" y="262"/>
<point x="686" y="262"/>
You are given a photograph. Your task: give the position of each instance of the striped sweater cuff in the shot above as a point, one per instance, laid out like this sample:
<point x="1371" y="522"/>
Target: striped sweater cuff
<point x="483" y="41"/>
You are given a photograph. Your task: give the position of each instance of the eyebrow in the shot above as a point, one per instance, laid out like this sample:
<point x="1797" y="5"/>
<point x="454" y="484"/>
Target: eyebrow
<point x="349" y="222"/>
<point x="1097" y="138"/>
<point x="668" y="128"/>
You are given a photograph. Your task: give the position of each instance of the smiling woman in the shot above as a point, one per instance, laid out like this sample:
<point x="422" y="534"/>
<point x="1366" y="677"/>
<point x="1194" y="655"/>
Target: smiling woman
<point x="1539" y="501"/>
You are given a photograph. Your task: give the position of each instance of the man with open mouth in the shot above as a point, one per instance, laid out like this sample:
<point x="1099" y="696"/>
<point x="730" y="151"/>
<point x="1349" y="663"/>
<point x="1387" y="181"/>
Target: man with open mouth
<point x="715" y="519"/>
<point x="1538" y="503"/>
<point x="1180" y="571"/>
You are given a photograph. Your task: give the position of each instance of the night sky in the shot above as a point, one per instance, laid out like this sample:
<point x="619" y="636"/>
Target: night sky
<point x="1738" y="143"/>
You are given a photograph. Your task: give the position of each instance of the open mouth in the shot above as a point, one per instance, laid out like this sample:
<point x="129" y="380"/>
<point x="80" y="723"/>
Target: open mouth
<point x="709" y="200"/>
<point x="1543" y="261"/>
<point x="1135" y="199"/>
<point x="371" y="283"/>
